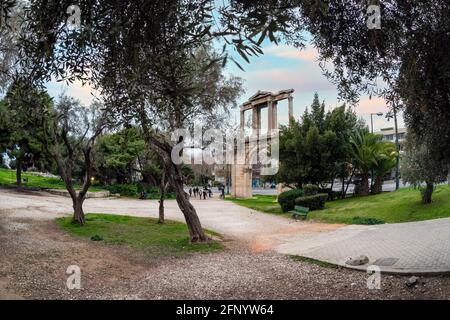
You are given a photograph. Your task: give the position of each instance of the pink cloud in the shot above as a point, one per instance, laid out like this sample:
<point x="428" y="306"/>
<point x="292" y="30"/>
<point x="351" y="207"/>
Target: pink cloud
<point x="367" y="106"/>
<point x="284" y="51"/>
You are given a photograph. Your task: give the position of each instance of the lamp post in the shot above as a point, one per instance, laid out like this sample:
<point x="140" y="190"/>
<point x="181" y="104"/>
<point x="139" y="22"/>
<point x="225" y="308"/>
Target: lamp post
<point x="380" y="114"/>
<point x="397" y="145"/>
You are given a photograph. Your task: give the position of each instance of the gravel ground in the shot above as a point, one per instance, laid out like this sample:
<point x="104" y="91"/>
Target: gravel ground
<point x="34" y="255"/>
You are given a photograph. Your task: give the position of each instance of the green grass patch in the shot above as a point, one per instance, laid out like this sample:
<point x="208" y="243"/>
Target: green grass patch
<point x="8" y="179"/>
<point x="404" y="205"/>
<point x="263" y="203"/>
<point x="169" y="239"/>
<point x="367" y="221"/>
<point x="319" y="263"/>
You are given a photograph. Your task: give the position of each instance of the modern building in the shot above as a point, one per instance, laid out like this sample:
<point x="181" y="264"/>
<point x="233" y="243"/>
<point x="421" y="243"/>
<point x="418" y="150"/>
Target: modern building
<point x="389" y="135"/>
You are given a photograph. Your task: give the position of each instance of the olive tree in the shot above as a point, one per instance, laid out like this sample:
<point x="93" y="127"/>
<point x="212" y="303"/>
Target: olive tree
<point x="421" y="169"/>
<point x="71" y="131"/>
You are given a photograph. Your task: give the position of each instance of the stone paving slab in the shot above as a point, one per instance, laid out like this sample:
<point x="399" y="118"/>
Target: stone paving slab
<point x="410" y="248"/>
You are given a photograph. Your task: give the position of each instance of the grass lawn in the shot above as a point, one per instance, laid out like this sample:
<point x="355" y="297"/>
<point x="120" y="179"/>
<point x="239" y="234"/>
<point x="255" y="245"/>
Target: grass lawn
<point x="263" y="203"/>
<point x="8" y="179"/>
<point x="403" y="205"/>
<point x="169" y="239"/>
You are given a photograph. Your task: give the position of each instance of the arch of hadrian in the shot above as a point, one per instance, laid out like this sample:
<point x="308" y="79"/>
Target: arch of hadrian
<point x="241" y="174"/>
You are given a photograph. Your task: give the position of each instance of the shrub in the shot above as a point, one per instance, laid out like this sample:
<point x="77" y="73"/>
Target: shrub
<point x="134" y="189"/>
<point x="128" y="190"/>
<point x="310" y="190"/>
<point x="314" y="202"/>
<point x="287" y="199"/>
<point x="332" y="195"/>
<point x="368" y="221"/>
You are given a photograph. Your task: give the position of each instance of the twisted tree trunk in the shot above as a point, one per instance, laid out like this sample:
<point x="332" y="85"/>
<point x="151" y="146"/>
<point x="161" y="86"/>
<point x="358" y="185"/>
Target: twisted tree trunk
<point x="427" y="193"/>
<point x="78" y="213"/>
<point x="175" y="178"/>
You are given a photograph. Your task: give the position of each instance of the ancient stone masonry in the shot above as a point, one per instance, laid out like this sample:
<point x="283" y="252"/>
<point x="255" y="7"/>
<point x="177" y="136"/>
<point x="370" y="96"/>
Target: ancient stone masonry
<point x="243" y="168"/>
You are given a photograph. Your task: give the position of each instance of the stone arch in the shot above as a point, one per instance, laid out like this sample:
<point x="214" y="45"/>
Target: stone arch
<point x="242" y="173"/>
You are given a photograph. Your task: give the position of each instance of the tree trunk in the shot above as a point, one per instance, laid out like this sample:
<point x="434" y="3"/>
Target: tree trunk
<point x="78" y="213"/>
<point x="427" y="193"/>
<point x="175" y="178"/>
<point x="378" y="186"/>
<point x="348" y="183"/>
<point x="363" y="189"/>
<point x="162" y="194"/>
<point x="19" y="174"/>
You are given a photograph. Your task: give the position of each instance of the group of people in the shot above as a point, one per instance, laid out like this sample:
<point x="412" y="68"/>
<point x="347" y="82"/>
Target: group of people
<point x="205" y="192"/>
<point x="201" y="193"/>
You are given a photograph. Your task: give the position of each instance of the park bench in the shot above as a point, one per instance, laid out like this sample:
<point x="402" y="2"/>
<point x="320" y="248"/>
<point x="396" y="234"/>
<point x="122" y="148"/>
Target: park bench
<point x="299" y="212"/>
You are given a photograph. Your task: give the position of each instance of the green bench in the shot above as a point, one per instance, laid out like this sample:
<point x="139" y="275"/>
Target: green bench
<point x="299" y="212"/>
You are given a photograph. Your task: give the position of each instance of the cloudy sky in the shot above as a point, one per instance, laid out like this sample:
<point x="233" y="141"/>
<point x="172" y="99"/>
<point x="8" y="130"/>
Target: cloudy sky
<point x="281" y="67"/>
<point x="284" y="67"/>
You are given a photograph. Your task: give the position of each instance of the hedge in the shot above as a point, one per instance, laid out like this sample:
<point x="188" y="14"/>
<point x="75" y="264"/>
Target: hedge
<point x="134" y="190"/>
<point x="314" y="202"/>
<point x="310" y="190"/>
<point x="332" y="195"/>
<point x="287" y="199"/>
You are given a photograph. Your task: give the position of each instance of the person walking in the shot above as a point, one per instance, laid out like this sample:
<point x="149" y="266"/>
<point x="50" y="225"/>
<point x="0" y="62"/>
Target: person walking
<point x="222" y="191"/>
<point x="190" y="192"/>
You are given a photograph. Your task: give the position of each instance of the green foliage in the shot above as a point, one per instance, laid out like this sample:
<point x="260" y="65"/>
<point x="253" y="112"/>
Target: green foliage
<point x="8" y="179"/>
<point x="313" y="202"/>
<point x="127" y="190"/>
<point x="369" y="153"/>
<point x="421" y="169"/>
<point x="310" y="190"/>
<point x="419" y="166"/>
<point x="391" y="207"/>
<point x="144" y="234"/>
<point x="367" y="221"/>
<point x="134" y="189"/>
<point x="116" y="154"/>
<point x="262" y="203"/>
<point x="286" y="199"/>
<point x="96" y="237"/>
<point x="2" y="161"/>
<point x="410" y="51"/>
<point x="332" y="195"/>
<point x="22" y="113"/>
<point x="317" y="149"/>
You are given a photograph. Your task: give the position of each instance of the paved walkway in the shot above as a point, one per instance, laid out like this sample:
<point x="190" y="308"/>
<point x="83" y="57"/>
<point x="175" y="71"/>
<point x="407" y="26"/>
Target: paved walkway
<point x="418" y="247"/>
<point x="410" y="248"/>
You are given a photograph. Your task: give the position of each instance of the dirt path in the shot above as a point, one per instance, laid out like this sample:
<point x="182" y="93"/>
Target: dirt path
<point x="260" y="231"/>
<point x="34" y="256"/>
